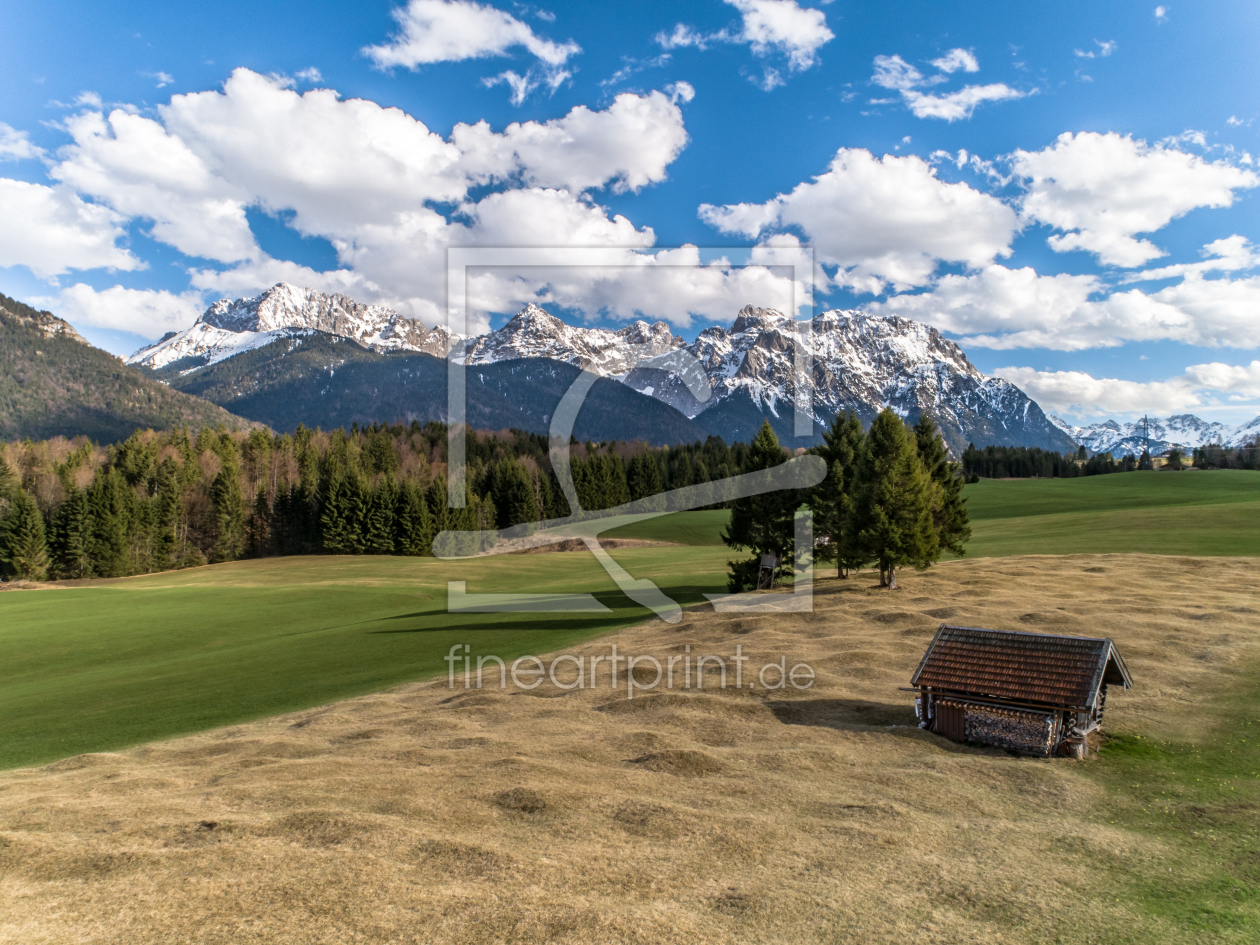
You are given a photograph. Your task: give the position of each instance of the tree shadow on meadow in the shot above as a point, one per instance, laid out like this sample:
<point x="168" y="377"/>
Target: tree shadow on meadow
<point x="843" y="714"/>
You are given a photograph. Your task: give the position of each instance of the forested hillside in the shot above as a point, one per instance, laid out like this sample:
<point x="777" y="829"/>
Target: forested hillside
<point x="53" y="383"/>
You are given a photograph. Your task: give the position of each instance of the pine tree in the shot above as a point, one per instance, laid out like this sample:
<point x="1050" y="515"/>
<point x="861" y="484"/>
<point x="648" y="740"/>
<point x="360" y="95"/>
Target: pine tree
<point x="892" y="515"/>
<point x="71" y="534"/>
<point x="949" y="508"/>
<point x="832" y="499"/>
<point x="763" y="523"/>
<point x="167" y="517"/>
<point x="23" y="544"/>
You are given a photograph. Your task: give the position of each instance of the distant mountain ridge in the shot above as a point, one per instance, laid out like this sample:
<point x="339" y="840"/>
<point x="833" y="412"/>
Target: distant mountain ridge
<point x="1184" y="431"/>
<point x="861" y="362"/>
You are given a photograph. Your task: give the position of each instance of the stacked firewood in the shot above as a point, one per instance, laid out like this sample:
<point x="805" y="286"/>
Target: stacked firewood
<point x="1031" y="732"/>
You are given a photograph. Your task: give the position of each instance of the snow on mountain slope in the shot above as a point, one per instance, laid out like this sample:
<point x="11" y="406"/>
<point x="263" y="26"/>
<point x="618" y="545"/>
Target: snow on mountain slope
<point x="1184" y="431"/>
<point x="861" y="362"/>
<point x="229" y="327"/>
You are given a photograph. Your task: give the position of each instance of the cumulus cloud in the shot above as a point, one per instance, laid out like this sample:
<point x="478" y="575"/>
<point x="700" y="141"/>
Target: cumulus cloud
<point x="1081" y="393"/>
<point x="1004" y="309"/>
<point x="1102" y="190"/>
<point x="146" y="312"/>
<point x="15" y="145"/>
<point x="767" y="26"/>
<point x="132" y="164"/>
<point x="882" y="221"/>
<point x="1230" y="254"/>
<point x="894" y="73"/>
<point x="450" y="30"/>
<point x="59" y="231"/>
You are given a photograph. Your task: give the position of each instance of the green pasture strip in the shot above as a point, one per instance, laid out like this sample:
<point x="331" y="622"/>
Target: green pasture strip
<point x="1202" y="801"/>
<point x="1019" y="498"/>
<point x="683" y="528"/>
<point x="109" y="664"/>
<point x="1223" y="529"/>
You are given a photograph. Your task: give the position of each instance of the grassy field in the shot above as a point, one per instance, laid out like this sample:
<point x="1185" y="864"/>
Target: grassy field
<point x="115" y="663"/>
<point x="1188" y="513"/>
<point x="717" y="817"/>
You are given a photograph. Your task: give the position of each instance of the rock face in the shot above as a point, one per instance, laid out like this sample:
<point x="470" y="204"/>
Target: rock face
<point x="1183" y="431"/>
<point x="860" y="362"/>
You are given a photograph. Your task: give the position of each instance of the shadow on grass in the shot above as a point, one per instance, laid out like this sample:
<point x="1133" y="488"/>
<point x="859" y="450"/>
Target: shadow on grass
<point x="842" y="713"/>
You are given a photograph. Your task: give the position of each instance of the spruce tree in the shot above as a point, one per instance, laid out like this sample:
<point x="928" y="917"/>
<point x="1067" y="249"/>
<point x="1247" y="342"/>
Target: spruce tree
<point x="167" y="517"/>
<point x="378" y="519"/>
<point x="763" y="523"/>
<point x="110" y="506"/>
<point x="949" y="508"/>
<point x="413" y="522"/>
<point x="892" y="515"/>
<point x="258" y="539"/>
<point x="345" y="511"/>
<point x="71" y="534"/>
<point x="832" y="499"/>
<point x="228" y="504"/>
<point x="23" y="540"/>
<point x="644" y="478"/>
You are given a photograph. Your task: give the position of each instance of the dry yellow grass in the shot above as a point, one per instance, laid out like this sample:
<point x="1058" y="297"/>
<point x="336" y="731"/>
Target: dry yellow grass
<point x="431" y="816"/>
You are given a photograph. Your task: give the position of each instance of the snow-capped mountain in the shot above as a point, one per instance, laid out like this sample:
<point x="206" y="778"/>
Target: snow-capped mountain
<point x="1184" y="431"/>
<point x="860" y="362"/>
<point x="229" y="327"/>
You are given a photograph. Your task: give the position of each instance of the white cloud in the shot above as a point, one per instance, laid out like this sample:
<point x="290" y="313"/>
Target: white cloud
<point x="143" y="311"/>
<point x="1004" y="309"/>
<point x="1103" y="189"/>
<point x="1105" y="49"/>
<point x="1079" y="392"/>
<point x="783" y="26"/>
<point x="310" y="74"/>
<point x="767" y="26"/>
<point x="257" y="275"/>
<point x="134" y="165"/>
<point x="452" y="30"/>
<point x="1224" y="255"/>
<point x="893" y="72"/>
<point x="1161" y="14"/>
<point x="58" y="231"/>
<point x="1234" y="121"/>
<point x="629" y="144"/>
<point x="961" y="104"/>
<point x="15" y="145"/>
<point x="956" y="59"/>
<point x="881" y="220"/>
<point x="163" y="79"/>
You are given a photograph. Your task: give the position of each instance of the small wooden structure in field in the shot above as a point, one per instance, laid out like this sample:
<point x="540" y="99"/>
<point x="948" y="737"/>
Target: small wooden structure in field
<point x="1036" y="693"/>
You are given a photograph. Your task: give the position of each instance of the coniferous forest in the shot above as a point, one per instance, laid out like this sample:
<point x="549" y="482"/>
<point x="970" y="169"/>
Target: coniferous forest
<point x="75" y="509"/>
<point x="72" y="509"/>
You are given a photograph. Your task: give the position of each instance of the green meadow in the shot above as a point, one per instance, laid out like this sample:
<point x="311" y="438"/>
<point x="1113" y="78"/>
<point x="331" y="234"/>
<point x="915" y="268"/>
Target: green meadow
<point x="106" y="664"/>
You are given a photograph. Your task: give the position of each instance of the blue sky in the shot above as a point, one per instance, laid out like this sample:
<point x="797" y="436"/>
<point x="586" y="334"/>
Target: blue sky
<point x="1068" y="190"/>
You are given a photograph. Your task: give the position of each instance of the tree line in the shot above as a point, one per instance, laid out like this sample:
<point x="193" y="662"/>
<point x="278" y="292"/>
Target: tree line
<point x="1023" y="462"/>
<point x="891" y="498"/>
<point x="157" y="501"/>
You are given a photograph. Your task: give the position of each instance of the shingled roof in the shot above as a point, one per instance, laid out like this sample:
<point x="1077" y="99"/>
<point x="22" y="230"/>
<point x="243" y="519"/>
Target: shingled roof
<point x="1011" y="665"/>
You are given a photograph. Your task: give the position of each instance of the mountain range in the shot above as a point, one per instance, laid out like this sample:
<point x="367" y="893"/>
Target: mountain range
<point x="1184" y="431"/>
<point x="297" y="355"/>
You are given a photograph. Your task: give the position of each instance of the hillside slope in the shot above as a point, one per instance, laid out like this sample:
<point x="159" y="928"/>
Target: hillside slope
<point x="52" y="383"/>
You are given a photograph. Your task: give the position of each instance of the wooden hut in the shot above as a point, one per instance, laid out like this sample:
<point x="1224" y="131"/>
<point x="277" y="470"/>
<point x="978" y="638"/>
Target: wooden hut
<point x="1036" y="693"/>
